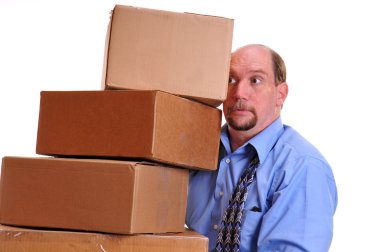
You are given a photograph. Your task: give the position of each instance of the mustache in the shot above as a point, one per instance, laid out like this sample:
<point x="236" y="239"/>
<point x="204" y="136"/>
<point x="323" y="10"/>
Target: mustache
<point x="240" y="105"/>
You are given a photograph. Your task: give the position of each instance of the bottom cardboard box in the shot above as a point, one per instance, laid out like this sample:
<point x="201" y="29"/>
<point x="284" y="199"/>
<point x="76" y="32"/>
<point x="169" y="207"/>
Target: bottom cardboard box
<point x="18" y="239"/>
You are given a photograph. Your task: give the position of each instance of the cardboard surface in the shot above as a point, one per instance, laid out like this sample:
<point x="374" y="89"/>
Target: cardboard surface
<point x="93" y="195"/>
<point x="150" y="125"/>
<point x="17" y="239"/>
<point x="180" y="53"/>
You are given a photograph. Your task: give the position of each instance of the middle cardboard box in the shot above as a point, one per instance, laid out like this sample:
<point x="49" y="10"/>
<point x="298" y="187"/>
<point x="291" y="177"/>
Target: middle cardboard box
<point x="143" y="125"/>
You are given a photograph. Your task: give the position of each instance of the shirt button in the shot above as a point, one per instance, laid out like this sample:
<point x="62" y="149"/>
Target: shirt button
<point x="228" y="161"/>
<point x="221" y="193"/>
<point x="215" y="226"/>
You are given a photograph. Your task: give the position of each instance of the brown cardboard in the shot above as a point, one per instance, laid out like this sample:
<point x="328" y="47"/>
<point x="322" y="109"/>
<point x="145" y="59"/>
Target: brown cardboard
<point x="149" y="125"/>
<point x="18" y="239"/>
<point x="180" y="53"/>
<point x="93" y="195"/>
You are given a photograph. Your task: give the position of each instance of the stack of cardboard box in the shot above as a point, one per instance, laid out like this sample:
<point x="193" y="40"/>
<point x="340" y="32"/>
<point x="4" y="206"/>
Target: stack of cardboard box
<point x="117" y="160"/>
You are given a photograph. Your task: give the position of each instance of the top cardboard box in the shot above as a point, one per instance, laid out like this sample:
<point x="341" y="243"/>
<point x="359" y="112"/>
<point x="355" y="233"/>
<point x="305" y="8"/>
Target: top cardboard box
<point x="180" y="53"/>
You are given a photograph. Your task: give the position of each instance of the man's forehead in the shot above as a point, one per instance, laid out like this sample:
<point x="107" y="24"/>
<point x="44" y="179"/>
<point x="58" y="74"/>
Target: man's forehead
<point x="251" y="56"/>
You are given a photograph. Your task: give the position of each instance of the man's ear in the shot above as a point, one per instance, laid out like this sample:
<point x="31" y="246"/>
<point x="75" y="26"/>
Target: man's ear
<point x="282" y="93"/>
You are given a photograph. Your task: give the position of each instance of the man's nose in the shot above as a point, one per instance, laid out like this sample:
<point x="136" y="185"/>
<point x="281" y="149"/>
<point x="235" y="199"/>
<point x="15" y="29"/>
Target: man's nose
<point x="241" y="90"/>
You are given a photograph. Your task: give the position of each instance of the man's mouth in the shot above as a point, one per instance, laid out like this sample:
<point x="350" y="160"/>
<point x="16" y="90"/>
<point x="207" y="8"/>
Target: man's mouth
<point x="240" y="111"/>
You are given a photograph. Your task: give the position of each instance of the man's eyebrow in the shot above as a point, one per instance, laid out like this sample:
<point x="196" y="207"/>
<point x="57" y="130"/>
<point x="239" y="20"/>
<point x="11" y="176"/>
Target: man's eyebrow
<point x="256" y="71"/>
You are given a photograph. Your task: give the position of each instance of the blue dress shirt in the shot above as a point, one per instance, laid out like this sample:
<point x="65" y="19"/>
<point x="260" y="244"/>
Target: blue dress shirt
<point x="290" y="204"/>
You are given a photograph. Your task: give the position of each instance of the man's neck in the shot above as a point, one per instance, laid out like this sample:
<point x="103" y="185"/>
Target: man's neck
<point x="238" y="138"/>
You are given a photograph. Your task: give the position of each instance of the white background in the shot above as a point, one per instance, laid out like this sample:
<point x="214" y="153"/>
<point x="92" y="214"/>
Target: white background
<point x="332" y="53"/>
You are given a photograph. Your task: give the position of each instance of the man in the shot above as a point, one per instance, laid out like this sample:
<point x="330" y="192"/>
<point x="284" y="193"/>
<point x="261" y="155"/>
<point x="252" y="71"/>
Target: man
<point x="273" y="191"/>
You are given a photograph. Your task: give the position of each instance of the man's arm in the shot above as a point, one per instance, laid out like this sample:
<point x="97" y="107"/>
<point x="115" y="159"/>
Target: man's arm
<point x="300" y="217"/>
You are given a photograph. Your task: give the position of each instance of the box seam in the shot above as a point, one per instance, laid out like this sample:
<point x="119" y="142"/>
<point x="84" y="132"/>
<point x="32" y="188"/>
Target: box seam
<point x="134" y="196"/>
<point x="155" y="113"/>
<point x="104" y="82"/>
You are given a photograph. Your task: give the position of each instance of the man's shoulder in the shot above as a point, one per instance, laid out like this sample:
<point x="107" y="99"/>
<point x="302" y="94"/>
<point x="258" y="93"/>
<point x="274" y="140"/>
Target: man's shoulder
<point x="294" y="142"/>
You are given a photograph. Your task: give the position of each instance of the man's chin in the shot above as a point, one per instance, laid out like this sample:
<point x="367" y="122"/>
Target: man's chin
<point x="241" y="126"/>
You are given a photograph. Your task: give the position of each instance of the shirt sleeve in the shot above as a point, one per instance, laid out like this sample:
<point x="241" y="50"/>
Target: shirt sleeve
<point x="301" y="209"/>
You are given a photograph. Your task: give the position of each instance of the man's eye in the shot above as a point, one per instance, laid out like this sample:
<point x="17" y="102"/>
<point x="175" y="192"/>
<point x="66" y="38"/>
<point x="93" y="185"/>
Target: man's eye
<point x="231" y="81"/>
<point x="255" y="81"/>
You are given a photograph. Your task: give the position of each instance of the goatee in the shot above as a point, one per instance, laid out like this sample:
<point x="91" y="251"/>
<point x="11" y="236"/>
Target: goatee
<point x="244" y="126"/>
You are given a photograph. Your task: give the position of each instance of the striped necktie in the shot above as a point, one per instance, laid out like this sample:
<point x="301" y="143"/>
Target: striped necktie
<point x="229" y="232"/>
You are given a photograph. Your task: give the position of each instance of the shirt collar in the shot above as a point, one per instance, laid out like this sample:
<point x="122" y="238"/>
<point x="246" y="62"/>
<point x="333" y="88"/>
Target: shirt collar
<point x="263" y="142"/>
